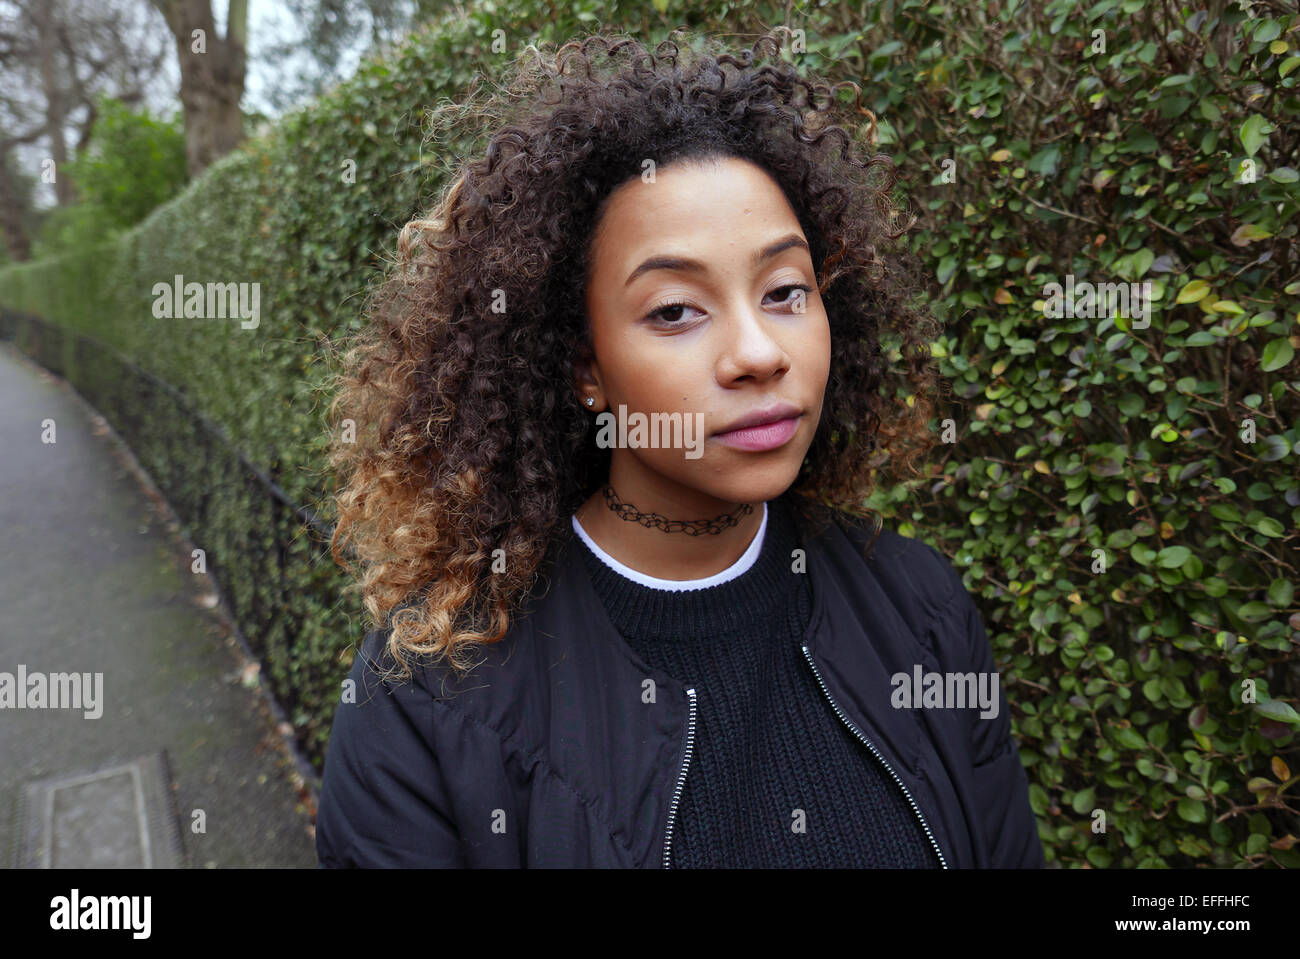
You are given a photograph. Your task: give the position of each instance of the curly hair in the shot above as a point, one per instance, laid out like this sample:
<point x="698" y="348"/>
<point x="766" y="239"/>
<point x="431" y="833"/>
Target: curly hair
<point x="470" y="443"/>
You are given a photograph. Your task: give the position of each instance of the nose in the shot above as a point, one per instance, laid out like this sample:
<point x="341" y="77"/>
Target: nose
<point x="751" y="347"/>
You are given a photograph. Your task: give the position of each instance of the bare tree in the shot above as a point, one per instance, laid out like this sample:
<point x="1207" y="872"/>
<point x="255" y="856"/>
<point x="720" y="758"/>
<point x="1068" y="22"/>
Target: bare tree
<point x="212" y="76"/>
<point x="328" y="33"/>
<point x="55" y="57"/>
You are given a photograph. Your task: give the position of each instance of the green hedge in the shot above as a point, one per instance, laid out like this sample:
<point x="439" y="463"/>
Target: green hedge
<point x="1133" y="556"/>
<point x="1132" y="546"/>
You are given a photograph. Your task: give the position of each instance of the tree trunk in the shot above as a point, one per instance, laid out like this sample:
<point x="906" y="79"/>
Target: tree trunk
<point x="55" y="113"/>
<point x="212" y="77"/>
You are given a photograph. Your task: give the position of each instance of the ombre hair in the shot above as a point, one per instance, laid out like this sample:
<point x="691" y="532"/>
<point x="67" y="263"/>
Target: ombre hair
<point x="470" y="438"/>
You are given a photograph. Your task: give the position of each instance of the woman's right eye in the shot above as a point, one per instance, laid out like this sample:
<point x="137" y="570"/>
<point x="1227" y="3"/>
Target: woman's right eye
<point x="666" y="308"/>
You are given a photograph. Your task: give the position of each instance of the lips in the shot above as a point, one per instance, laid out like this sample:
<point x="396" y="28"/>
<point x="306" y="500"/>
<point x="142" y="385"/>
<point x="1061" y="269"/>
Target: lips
<point x="762" y="417"/>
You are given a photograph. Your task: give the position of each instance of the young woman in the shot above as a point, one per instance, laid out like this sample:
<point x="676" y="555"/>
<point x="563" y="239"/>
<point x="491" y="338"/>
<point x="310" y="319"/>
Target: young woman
<point x="615" y="417"/>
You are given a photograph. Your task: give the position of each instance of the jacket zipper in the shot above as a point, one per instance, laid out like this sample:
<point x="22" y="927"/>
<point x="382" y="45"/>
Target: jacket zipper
<point x="681" y="777"/>
<point x="916" y="809"/>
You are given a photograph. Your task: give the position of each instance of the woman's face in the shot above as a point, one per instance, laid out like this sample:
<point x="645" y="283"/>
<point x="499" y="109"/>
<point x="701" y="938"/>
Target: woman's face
<point x="751" y="338"/>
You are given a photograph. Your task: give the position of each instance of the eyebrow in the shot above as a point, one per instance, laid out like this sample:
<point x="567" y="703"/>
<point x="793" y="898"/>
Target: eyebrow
<point x="695" y="266"/>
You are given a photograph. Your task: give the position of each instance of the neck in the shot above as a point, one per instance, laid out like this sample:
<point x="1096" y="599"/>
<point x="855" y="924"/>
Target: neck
<point x="676" y="555"/>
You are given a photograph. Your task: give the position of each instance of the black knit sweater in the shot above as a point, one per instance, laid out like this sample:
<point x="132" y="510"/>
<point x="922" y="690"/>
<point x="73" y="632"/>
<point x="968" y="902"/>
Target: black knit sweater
<point x="776" y="779"/>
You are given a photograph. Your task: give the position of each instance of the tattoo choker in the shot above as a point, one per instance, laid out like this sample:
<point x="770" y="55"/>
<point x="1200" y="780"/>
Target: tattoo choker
<point x="655" y="521"/>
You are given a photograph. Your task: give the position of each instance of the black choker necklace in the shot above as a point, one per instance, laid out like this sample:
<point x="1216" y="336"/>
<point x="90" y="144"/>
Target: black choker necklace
<point x="654" y="520"/>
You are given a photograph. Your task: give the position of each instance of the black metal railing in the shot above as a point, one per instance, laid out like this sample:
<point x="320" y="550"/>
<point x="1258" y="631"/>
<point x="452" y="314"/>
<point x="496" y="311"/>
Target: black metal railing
<point x="251" y="532"/>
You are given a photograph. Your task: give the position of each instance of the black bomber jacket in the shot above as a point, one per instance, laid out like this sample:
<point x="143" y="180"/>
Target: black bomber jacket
<point x="547" y="754"/>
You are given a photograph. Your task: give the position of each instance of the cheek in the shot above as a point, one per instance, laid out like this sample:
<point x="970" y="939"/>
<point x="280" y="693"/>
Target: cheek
<point x="662" y="379"/>
<point x="622" y="373"/>
<point x="815" y="350"/>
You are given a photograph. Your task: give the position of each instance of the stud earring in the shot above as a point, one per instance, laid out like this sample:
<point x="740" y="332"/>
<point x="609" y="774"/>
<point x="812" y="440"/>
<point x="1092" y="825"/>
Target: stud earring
<point x="591" y="401"/>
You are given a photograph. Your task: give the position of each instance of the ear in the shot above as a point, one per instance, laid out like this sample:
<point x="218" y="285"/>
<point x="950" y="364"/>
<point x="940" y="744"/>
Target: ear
<point x="586" y="371"/>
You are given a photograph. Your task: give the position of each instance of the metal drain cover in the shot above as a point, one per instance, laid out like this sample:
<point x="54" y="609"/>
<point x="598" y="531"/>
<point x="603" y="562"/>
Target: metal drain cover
<point x="120" y="816"/>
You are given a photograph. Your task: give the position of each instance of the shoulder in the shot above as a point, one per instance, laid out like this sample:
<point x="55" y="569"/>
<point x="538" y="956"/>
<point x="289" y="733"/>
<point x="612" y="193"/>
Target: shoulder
<point x="920" y="581"/>
<point x="433" y="677"/>
<point x="926" y="590"/>
<point x="507" y="685"/>
<point x="918" y="567"/>
<point x="432" y="710"/>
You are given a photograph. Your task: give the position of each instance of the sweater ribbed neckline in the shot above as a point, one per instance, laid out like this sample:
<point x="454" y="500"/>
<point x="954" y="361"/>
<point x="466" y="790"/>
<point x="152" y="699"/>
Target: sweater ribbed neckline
<point x="746" y="560"/>
<point x="755" y="600"/>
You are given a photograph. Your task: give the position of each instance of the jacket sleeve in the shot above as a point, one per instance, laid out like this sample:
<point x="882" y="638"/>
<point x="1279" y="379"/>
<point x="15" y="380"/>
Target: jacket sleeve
<point x="384" y="800"/>
<point x="1001" y="786"/>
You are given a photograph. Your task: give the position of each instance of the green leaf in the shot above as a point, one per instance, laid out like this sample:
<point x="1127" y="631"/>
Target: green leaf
<point x="1260" y="492"/>
<point x="1121" y="539"/>
<point x="1085" y="800"/>
<point x="1129" y="738"/>
<point x="1142" y="554"/>
<point x="1282" y="712"/>
<point x="1045" y="161"/>
<point x="1172" y="557"/>
<point x="1277" y="354"/>
<point x="1039" y="801"/>
<point x="1266" y="31"/>
<point x="1130" y="404"/>
<point x="1151" y="690"/>
<point x="1254" y="612"/>
<point x="1099" y="856"/>
<point x="1268" y="526"/>
<point x="1191" y="810"/>
<point x="1193" y="291"/>
<point x="1254" y="133"/>
<point x="1275" y="448"/>
<point x="1248" y="233"/>
<point x="1226" y="512"/>
<point x="1280" y="592"/>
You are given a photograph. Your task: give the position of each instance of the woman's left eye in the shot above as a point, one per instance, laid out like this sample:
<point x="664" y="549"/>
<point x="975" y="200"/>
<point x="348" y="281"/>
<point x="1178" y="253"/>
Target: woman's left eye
<point x="794" y="286"/>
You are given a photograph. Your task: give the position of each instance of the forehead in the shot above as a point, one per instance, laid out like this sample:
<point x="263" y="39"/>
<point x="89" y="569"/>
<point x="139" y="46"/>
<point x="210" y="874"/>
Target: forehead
<point x="696" y="203"/>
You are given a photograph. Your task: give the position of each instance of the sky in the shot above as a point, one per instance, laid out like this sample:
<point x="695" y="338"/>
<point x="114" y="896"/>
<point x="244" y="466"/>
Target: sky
<point x="269" y="22"/>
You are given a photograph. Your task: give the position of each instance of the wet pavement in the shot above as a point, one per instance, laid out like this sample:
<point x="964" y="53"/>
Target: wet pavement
<point x="161" y="751"/>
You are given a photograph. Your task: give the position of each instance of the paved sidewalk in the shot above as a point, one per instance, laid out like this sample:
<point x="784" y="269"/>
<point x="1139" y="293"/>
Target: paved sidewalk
<point x="93" y="581"/>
